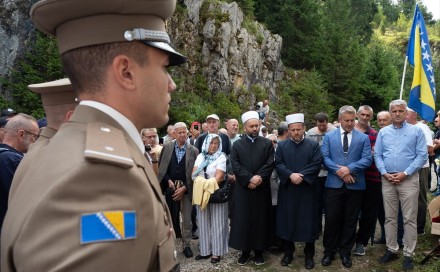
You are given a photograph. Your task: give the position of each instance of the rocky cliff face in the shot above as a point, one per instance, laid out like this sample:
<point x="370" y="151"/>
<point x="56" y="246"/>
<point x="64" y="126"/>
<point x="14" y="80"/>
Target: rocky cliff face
<point x="15" y="32"/>
<point x="232" y="53"/>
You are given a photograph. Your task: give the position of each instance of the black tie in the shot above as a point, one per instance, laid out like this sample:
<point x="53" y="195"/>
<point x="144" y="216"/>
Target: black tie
<point x="345" y="143"/>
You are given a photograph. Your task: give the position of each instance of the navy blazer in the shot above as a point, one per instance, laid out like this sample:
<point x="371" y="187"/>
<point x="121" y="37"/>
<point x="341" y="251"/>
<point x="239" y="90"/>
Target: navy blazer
<point x="357" y="159"/>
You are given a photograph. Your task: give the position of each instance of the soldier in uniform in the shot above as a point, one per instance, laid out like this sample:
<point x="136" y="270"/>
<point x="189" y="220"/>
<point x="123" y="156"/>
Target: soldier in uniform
<point x="91" y="202"/>
<point x="59" y="101"/>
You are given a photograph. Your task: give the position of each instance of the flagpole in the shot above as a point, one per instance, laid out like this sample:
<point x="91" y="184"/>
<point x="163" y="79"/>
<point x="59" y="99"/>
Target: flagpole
<point x="403" y="77"/>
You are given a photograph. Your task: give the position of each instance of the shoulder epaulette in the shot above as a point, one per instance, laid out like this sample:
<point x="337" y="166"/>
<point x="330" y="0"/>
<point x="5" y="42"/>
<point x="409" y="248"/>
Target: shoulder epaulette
<point x="107" y="144"/>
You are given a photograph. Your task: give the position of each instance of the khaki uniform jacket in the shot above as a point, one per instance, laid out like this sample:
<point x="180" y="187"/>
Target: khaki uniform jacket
<point x="190" y="158"/>
<point x="32" y="154"/>
<point x="90" y="166"/>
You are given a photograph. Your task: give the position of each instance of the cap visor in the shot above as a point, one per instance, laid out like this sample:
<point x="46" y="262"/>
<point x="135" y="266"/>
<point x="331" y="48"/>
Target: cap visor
<point x="175" y="57"/>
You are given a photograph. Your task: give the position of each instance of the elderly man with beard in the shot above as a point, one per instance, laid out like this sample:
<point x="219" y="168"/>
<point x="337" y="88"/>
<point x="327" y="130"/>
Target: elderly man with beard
<point x="252" y="159"/>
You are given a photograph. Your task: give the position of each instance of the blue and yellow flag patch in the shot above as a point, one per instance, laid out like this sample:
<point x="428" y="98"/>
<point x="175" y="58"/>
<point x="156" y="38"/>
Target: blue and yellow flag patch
<point x="107" y="226"/>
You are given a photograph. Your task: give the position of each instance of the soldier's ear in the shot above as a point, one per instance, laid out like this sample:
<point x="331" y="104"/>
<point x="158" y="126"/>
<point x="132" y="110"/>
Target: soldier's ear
<point x="123" y="70"/>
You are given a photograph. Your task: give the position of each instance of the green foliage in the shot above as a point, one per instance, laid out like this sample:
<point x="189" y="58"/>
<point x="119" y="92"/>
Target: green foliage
<point x="41" y="63"/>
<point x="210" y="10"/>
<point x="340" y="58"/>
<point x="403" y="23"/>
<point x="253" y="28"/>
<point x="363" y="11"/>
<point x="297" y="21"/>
<point x="382" y="76"/>
<point x="194" y="101"/>
<point x="379" y="18"/>
<point x="247" y="6"/>
<point x="390" y="10"/>
<point x="302" y="91"/>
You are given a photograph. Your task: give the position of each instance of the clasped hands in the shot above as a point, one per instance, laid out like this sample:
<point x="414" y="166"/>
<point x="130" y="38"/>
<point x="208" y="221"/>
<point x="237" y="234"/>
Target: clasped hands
<point x="296" y="178"/>
<point x="179" y="192"/>
<point x="344" y="174"/>
<point x="255" y="181"/>
<point x="395" y="178"/>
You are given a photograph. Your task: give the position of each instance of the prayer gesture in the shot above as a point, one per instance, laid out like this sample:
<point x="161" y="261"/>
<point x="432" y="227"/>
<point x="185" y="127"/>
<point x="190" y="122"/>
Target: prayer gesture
<point x="296" y="178"/>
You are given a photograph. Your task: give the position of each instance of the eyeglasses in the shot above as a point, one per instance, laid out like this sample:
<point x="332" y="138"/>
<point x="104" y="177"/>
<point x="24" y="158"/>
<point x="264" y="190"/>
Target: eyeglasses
<point x="274" y="141"/>
<point x="35" y="136"/>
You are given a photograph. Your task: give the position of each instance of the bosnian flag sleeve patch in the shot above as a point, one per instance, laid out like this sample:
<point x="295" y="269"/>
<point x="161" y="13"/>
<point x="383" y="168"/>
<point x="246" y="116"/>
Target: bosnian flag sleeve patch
<point x="107" y="226"/>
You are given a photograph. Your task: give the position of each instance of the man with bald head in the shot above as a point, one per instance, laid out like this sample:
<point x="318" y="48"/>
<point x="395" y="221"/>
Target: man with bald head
<point x="232" y="129"/>
<point x="20" y="132"/>
<point x="383" y="119"/>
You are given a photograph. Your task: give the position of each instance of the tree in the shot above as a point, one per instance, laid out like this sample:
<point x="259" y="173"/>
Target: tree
<point x="390" y="10"/>
<point x="382" y="75"/>
<point x="340" y="57"/>
<point x="40" y="64"/>
<point x="363" y="11"/>
<point x="302" y="91"/>
<point x="297" y="21"/>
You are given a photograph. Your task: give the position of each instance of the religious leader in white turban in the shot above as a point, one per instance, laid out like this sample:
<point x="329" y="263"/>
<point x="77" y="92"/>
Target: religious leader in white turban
<point x="252" y="159"/>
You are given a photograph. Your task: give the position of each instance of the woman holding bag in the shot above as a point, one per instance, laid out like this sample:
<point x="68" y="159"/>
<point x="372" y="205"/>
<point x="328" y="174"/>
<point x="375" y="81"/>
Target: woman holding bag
<point x="210" y="165"/>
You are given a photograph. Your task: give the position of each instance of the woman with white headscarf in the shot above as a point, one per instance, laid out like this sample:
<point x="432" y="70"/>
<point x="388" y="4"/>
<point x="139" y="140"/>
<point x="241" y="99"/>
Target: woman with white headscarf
<point x="212" y="220"/>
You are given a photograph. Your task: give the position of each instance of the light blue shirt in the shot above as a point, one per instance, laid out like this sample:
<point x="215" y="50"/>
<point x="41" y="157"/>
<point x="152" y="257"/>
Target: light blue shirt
<point x="400" y="149"/>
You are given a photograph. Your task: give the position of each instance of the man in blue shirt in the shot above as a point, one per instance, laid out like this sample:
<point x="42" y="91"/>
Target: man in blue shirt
<point x="400" y="152"/>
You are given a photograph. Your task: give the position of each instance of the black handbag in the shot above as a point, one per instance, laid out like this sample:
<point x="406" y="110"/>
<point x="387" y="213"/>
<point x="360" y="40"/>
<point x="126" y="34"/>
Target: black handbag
<point x="221" y="195"/>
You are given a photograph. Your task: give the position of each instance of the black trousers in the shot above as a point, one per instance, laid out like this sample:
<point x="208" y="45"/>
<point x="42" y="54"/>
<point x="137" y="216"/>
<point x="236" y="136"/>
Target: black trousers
<point x="320" y="189"/>
<point x="368" y="212"/>
<point x="289" y="248"/>
<point x="341" y="215"/>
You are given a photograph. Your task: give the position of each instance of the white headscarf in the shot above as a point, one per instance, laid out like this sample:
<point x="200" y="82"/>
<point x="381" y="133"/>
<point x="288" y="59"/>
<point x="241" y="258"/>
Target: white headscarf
<point x="208" y="158"/>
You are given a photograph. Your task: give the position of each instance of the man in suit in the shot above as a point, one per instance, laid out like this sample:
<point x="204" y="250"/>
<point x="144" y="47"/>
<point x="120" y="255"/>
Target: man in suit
<point x="347" y="153"/>
<point x="92" y="196"/>
<point x="175" y="164"/>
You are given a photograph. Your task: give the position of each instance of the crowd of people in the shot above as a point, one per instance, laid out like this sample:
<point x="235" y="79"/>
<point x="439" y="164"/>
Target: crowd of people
<point x="283" y="183"/>
<point x="94" y="187"/>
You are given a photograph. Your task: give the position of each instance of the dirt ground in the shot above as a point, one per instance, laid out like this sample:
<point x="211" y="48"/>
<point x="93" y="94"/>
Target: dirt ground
<point x="369" y="262"/>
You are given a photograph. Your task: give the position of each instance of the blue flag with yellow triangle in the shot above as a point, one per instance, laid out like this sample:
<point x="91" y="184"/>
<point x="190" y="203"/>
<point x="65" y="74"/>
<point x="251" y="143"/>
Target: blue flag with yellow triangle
<point x="422" y="95"/>
<point x="107" y="226"/>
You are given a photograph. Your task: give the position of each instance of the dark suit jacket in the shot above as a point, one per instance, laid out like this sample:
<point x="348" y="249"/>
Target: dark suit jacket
<point x="357" y="159"/>
<point x="190" y="159"/>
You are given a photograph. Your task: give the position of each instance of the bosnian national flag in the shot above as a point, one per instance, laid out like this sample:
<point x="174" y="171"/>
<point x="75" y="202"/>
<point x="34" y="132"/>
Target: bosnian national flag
<point x="422" y="94"/>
